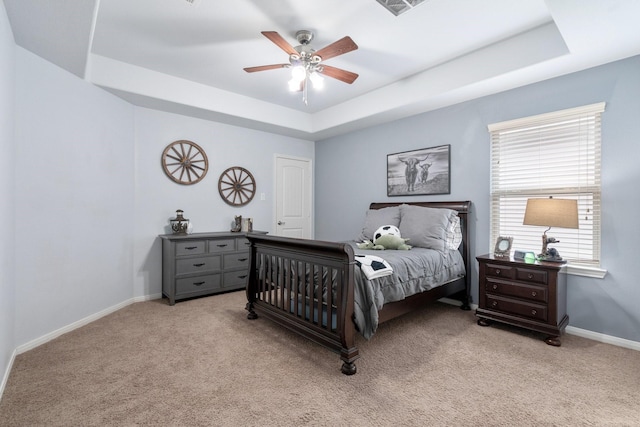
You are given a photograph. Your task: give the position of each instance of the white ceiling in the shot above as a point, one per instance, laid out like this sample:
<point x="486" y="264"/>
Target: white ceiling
<point x="187" y="56"/>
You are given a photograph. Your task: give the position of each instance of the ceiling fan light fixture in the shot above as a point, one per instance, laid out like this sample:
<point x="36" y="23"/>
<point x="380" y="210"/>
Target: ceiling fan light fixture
<point x="294" y="85"/>
<point x="307" y="65"/>
<point x="298" y="73"/>
<point x="316" y="80"/>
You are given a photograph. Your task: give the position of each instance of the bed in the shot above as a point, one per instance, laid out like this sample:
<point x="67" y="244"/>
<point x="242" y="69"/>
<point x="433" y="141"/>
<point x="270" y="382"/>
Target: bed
<point x="316" y="289"/>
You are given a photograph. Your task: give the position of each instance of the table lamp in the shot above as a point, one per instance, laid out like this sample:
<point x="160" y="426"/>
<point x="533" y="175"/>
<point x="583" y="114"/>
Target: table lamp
<point x="551" y="213"/>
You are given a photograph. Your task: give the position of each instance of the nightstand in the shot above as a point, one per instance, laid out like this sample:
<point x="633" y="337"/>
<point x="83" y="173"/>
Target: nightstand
<point x="528" y="295"/>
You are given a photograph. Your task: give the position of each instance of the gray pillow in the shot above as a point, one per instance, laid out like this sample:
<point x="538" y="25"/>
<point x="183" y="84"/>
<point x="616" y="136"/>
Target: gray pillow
<point x="377" y="217"/>
<point x="426" y="227"/>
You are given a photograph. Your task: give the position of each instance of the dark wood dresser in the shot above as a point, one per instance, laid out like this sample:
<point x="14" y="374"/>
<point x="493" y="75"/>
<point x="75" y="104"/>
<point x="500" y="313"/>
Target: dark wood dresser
<point x="524" y="294"/>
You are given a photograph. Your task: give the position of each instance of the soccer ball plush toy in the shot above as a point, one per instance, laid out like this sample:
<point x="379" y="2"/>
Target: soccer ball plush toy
<point x="386" y="237"/>
<point x="386" y="229"/>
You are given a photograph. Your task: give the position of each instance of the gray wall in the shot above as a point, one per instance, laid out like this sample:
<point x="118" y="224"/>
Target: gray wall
<point x="7" y="194"/>
<point x="74" y="157"/>
<point x="351" y="172"/>
<point x="85" y="184"/>
<point x="157" y="197"/>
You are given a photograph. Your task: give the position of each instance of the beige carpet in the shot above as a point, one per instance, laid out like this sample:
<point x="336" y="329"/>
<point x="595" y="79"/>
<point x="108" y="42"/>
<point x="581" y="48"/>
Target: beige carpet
<point x="202" y="363"/>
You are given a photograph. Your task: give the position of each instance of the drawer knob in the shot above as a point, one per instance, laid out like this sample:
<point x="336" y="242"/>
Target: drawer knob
<point x="242" y="259"/>
<point x="495" y="303"/>
<point x="221" y="245"/>
<point x="497" y="271"/>
<point x="534" y="293"/>
<point x="495" y="286"/>
<point x="534" y="312"/>
<point x="198" y="283"/>
<point x="530" y="276"/>
<point x="244" y="276"/>
<point x="199" y="264"/>
<point x="189" y="248"/>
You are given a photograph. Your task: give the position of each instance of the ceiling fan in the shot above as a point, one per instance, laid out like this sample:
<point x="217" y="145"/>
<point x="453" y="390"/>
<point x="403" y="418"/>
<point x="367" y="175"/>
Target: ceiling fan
<point x="306" y="63"/>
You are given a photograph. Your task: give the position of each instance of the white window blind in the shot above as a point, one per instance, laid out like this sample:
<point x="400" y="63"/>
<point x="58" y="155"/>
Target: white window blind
<point x="555" y="154"/>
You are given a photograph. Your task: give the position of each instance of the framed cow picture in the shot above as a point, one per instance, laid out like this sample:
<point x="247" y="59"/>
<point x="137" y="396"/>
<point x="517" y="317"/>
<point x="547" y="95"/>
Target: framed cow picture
<point x="419" y="172"/>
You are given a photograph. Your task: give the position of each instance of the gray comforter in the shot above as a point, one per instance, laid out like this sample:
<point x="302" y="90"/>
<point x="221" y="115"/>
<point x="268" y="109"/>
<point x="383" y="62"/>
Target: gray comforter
<point x="414" y="271"/>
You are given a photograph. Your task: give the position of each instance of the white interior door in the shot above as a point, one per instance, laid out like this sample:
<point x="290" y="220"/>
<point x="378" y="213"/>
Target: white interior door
<point x="293" y="197"/>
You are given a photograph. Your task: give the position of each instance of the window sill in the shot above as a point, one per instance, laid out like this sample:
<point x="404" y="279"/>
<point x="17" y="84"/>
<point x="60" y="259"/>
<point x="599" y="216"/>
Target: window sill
<point x="586" y="271"/>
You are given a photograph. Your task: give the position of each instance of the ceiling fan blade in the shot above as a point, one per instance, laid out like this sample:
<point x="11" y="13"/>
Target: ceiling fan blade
<point x="340" y="47"/>
<point x="280" y="42"/>
<point x="339" y="74"/>
<point x="265" y="67"/>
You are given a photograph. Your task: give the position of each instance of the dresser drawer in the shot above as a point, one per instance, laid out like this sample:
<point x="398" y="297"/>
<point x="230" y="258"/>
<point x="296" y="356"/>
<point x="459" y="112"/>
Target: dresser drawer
<point x="197" y="265"/>
<point x="226" y="245"/>
<point x="519" y="290"/>
<point x="193" y="247"/>
<point x="235" y="279"/>
<point x="503" y="271"/>
<point x="236" y="260"/>
<point x="198" y="283"/>
<point x="530" y="275"/>
<point x="519" y="308"/>
<point x="242" y="244"/>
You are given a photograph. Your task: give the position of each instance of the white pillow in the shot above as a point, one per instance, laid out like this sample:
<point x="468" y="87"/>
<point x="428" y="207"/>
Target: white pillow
<point x="453" y="234"/>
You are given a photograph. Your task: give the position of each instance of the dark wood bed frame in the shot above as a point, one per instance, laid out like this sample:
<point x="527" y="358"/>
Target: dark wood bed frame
<point x="323" y="317"/>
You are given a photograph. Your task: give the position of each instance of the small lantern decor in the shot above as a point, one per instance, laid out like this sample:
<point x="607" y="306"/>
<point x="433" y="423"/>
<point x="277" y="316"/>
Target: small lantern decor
<point x="179" y="224"/>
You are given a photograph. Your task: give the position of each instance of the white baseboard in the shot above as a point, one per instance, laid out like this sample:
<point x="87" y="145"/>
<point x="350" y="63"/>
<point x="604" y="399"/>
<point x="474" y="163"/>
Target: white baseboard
<point x="607" y="339"/>
<point x="75" y="325"/>
<point x="572" y="330"/>
<point x="7" y="371"/>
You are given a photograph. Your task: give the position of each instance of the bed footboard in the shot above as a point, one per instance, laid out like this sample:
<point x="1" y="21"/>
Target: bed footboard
<point x="306" y="286"/>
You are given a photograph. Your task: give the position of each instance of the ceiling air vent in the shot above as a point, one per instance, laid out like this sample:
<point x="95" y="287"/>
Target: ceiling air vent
<point x="400" y="6"/>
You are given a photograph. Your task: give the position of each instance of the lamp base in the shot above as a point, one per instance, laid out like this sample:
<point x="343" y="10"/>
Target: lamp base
<point x="548" y="258"/>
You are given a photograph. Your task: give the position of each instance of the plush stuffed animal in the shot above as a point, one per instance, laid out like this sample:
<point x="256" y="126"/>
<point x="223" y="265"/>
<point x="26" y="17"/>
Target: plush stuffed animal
<point x="386" y="237"/>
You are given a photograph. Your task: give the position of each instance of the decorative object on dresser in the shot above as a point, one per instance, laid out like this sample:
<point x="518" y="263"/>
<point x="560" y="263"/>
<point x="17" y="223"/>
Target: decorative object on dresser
<point x="236" y="186"/>
<point x="179" y="224"/>
<point x="503" y="247"/>
<point x="203" y="264"/>
<point x="185" y="162"/>
<point x="549" y="213"/>
<point x="531" y="295"/>
<point x="237" y="224"/>
<point x="424" y="171"/>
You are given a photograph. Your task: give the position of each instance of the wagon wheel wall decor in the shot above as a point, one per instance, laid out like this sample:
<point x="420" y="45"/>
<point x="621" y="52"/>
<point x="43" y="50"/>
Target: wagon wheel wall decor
<point x="185" y="162"/>
<point x="237" y="186"/>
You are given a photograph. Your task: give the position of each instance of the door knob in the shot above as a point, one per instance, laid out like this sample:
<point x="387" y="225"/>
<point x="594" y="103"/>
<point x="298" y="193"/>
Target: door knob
<point x="280" y="222"/>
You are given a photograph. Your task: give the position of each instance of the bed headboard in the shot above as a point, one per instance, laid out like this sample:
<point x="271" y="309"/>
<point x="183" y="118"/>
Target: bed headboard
<point x="463" y="208"/>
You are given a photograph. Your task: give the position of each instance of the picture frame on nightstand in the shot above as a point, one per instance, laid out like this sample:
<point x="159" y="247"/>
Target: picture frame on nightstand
<point x="503" y="247"/>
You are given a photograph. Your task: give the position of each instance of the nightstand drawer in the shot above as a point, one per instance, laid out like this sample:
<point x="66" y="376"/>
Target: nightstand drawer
<point x="530" y="275"/>
<point x="197" y="284"/>
<point x="519" y="308"/>
<point x="502" y="271"/>
<point x="193" y="247"/>
<point x="197" y="265"/>
<point x="519" y="290"/>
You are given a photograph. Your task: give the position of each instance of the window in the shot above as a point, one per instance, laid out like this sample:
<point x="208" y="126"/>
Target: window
<point x="555" y="154"/>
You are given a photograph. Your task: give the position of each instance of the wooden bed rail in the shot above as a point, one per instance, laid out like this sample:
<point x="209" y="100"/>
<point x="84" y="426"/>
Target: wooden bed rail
<point x="306" y="286"/>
